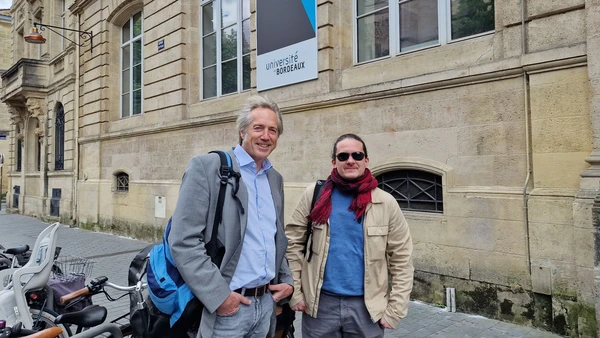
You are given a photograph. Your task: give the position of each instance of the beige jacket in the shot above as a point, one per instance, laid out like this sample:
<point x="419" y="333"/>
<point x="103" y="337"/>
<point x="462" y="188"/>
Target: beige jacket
<point x="387" y="286"/>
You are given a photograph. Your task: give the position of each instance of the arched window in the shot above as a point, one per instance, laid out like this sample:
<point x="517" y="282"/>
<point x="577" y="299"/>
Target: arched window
<point x="38" y="150"/>
<point x="131" y="66"/>
<point x="19" y="150"/>
<point x="414" y="189"/>
<point x="59" y="138"/>
<point x="122" y="181"/>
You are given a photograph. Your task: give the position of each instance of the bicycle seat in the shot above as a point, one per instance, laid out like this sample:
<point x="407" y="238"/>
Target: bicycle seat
<point x="17" y="250"/>
<point x="91" y="316"/>
<point x="47" y="333"/>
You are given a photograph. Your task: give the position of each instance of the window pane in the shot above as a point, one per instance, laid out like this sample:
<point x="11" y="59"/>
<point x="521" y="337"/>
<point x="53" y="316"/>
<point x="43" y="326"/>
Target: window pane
<point x="245" y="9"/>
<point x="137" y="77"/>
<point x="470" y="17"/>
<point x="137" y="24"/>
<point x="209" y="82"/>
<point x="229" y="43"/>
<point x="125" y="32"/>
<point x="125" y="53"/>
<point x="208" y="19"/>
<point x="209" y="50"/>
<point x="246" y="37"/>
<point x="373" y="36"/>
<point x="125" y="105"/>
<point x="418" y="24"/>
<point x="137" y="52"/>
<point x="229" y="77"/>
<point x="246" y="71"/>
<point x="125" y="82"/>
<point x="366" y="6"/>
<point x="137" y="102"/>
<point x="229" y="9"/>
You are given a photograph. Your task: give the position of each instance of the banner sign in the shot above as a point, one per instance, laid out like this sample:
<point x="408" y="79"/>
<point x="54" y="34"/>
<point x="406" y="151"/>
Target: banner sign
<point x="286" y="42"/>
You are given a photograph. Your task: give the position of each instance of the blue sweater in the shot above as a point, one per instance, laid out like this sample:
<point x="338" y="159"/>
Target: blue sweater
<point x="344" y="269"/>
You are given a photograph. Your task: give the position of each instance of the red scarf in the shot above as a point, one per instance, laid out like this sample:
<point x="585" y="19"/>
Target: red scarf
<point x="362" y="187"/>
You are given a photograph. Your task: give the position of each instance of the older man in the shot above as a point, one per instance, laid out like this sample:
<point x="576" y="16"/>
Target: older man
<point x="239" y="298"/>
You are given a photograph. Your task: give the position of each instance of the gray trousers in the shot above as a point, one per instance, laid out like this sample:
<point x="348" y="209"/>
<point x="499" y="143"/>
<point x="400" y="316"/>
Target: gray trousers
<point x="340" y="316"/>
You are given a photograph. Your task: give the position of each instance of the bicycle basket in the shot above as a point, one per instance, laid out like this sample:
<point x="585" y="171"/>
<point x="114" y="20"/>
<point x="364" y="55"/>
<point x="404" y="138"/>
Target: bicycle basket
<point x="72" y="267"/>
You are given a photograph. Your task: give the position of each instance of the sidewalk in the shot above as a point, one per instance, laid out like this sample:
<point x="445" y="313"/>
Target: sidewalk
<point x="113" y="254"/>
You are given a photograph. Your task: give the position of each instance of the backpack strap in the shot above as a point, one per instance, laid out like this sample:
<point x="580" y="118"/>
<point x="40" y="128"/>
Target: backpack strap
<point x="308" y="233"/>
<point x="215" y="249"/>
<point x="137" y="268"/>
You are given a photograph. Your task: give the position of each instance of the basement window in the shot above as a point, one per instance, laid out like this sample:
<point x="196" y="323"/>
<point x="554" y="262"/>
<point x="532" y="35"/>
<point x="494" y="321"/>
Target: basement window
<point x="414" y="190"/>
<point x="122" y="182"/>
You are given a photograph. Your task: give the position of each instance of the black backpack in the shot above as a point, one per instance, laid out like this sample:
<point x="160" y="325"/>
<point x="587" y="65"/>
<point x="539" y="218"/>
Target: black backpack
<point x="309" y="231"/>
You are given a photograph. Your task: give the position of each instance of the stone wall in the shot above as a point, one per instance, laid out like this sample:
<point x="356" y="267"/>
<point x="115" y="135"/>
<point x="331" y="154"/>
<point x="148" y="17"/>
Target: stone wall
<point x="504" y="118"/>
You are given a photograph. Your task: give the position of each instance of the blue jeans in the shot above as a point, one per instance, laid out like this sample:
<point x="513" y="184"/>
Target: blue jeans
<point x="250" y="321"/>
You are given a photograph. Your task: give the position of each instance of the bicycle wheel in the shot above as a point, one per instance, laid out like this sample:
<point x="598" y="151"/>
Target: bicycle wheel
<point x="43" y="319"/>
<point x="124" y="326"/>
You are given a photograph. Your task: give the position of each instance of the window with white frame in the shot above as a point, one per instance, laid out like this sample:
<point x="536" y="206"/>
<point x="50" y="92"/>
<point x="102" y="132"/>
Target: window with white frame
<point x="63" y="23"/>
<point x="225" y="52"/>
<point x="131" y="66"/>
<point x="390" y="27"/>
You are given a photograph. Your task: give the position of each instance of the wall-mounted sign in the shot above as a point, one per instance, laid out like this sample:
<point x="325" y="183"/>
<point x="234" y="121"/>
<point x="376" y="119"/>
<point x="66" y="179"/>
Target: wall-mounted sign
<point x="286" y="42"/>
<point x="161" y="44"/>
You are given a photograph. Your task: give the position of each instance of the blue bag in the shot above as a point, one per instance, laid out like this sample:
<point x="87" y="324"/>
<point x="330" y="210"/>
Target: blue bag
<point x="167" y="289"/>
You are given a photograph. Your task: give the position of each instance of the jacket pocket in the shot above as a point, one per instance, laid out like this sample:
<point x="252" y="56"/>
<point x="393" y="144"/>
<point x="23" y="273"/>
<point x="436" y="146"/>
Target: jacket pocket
<point x="317" y="238"/>
<point x="377" y="242"/>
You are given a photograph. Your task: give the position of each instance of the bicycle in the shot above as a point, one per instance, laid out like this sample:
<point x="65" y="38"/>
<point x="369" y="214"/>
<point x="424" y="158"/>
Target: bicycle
<point x="33" y="276"/>
<point x="92" y="317"/>
<point x="97" y="286"/>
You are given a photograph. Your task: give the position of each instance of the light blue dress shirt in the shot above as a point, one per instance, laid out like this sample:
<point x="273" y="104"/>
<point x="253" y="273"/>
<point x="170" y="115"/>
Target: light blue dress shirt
<point x="256" y="265"/>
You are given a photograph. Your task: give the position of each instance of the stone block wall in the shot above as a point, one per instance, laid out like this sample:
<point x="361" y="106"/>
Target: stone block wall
<point x="504" y="120"/>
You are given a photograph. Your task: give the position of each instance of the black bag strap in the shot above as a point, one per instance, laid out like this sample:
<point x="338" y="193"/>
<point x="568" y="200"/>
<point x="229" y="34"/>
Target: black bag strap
<point x="308" y="233"/>
<point x="214" y="249"/>
<point x="137" y="268"/>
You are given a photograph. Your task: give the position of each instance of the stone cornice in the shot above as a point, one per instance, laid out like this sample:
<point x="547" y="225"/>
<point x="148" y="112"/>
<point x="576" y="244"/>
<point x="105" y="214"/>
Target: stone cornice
<point x="18" y="64"/>
<point x="79" y="6"/>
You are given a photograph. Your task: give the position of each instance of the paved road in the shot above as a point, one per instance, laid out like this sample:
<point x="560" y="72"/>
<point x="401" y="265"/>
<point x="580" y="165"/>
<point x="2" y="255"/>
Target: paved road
<point x="113" y="254"/>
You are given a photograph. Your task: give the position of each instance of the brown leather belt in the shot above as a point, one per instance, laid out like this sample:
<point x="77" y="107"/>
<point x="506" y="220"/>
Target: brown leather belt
<point x="258" y="291"/>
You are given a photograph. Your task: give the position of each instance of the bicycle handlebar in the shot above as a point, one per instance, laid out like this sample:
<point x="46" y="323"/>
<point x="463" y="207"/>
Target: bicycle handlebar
<point x="78" y="293"/>
<point x="47" y="333"/>
<point x="87" y="290"/>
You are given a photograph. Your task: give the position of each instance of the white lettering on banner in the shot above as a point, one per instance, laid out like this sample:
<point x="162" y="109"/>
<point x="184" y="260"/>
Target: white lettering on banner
<point x="288" y="65"/>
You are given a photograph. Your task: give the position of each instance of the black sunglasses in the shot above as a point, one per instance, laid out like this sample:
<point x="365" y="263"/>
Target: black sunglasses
<point x="357" y="156"/>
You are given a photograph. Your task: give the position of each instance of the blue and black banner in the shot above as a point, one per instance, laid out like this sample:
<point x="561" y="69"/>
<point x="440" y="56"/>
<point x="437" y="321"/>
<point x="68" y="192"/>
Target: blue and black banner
<point x="286" y="42"/>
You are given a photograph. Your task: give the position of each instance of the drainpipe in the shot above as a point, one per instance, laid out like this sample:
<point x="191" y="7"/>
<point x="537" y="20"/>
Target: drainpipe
<point x="75" y="216"/>
<point x="527" y="138"/>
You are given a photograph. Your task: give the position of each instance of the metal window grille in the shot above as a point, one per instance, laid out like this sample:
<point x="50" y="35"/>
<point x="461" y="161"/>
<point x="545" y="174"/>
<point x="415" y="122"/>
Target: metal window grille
<point x="16" y="194"/>
<point x="122" y="182"/>
<point x="59" y="139"/>
<point x="55" y="202"/>
<point x="414" y="190"/>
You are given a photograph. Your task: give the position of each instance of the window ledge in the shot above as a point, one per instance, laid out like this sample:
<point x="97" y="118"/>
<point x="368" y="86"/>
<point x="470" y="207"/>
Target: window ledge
<point x="423" y="216"/>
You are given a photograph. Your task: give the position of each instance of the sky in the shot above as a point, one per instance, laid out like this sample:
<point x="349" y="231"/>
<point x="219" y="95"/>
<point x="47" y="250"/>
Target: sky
<point x="4" y="4"/>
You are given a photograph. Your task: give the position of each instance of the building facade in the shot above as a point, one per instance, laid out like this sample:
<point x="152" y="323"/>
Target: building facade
<point x="481" y="117"/>
<point x="5" y="62"/>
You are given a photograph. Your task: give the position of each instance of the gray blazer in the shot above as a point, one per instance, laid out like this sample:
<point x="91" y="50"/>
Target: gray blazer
<point x="191" y="228"/>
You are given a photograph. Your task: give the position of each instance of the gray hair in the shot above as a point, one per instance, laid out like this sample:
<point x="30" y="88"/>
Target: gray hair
<point x="256" y="101"/>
